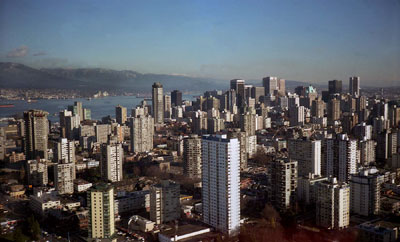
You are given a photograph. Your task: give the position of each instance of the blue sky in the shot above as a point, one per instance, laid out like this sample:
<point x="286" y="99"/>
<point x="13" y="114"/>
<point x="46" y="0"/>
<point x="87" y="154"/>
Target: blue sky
<point x="302" y="40"/>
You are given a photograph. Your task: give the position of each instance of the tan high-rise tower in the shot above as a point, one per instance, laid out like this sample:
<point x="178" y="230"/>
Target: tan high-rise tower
<point x="100" y="200"/>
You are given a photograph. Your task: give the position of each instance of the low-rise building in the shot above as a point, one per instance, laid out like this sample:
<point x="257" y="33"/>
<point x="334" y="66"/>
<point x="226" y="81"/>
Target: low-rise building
<point x="130" y="201"/>
<point x="41" y="202"/>
<point x="81" y="185"/>
<point x="186" y="232"/>
<point x="379" y="231"/>
<point x="139" y="223"/>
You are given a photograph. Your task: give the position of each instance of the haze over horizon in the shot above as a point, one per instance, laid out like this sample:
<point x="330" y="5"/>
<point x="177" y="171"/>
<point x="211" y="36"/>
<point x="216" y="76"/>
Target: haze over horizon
<point x="311" y="41"/>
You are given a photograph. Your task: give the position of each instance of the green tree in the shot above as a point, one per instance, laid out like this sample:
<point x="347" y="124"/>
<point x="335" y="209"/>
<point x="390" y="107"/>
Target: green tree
<point x="34" y="228"/>
<point x="18" y="236"/>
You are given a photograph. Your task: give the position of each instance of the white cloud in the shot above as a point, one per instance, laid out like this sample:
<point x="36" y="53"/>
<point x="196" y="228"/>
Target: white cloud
<point x="18" y="52"/>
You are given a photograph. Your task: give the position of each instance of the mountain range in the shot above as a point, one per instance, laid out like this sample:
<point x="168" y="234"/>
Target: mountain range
<point x="15" y="75"/>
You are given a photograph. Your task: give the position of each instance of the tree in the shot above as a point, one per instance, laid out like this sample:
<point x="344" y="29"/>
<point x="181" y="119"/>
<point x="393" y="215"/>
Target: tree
<point x="34" y="228"/>
<point x="18" y="236"/>
<point x="271" y="215"/>
<point x="261" y="158"/>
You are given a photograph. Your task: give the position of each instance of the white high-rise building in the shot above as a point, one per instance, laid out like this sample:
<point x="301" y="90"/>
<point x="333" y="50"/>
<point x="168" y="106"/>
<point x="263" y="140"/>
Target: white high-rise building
<point x="142" y="131"/>
<point x="340" y="157"/>
<point x="221" y="183"/>
<point x="164" y="202"/>
<point x="308" y="155"/>
<point x="333" y="204"/>
<point x="112" y="156"/>
<point x="65" y="151"/>
<point x="64" y="176"/>
<point x="365" y="192"/>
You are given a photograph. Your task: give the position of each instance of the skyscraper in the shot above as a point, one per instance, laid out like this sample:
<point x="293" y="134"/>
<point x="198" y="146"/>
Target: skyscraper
<point x="100" y="200"/>
<point x="221" y="183"/>
<point x="283" y="182"/>
<point x="112" y="156"/>
<point x="64" y="176"/>
<point x="367" y="150"/>
<point x="238" y="86"/>
<point x="333" y="110"/>
<point x="142" y="131"/>
<point x="354" y="86"/>
<point x="308" y="155"/>
<point x="270" y="84"/>
<point x="248" y="123"/>
<point x="281" y="87"/>
<point x="77" y="110"/>
<point x="36" y="134"/>
<point x="167" y="106"/>
<point x="65" y="151"/>
<point x="318" y="108"/>
<point x="257" y="92"/>
<point x="176" y="98"/>
<point x="333" y="204"/>
<point x="365" y="192"/>
<point x="164" y="202"/>
<point x="335" y="86"/>
<point x="297" y="116"/>
<point x="158" y="103"/>
<point x="72" y="126"/>
<point x="37" y="172"/>
<point x="192" y="156"/>
<point x="87" y="114"/>
<point x="339" y="157"/>
<point x="120" y="114"/>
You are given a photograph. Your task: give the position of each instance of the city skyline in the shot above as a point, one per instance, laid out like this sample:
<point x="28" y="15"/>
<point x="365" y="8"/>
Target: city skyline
<point x="306" y="41"/>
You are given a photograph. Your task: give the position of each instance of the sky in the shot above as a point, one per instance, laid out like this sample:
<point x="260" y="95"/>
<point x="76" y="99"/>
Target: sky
<point x="304" y="40"/>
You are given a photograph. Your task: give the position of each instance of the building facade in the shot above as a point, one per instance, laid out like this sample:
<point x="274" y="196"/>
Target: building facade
<point x="36" y="134"/>
<point x="192" y="156"/>
<point x="221" y="183"/>
<point x="308" y="155"/>
<point x="142" y="131"/>
<point x="100" y="200"/>
<point x="283" y="182"/>
<point x="164" y="202"/>
<point x="365" y="192"/>
<point x="333" y="204"/>
<point x="158" y="103"/>
<point x="112" y="156"/>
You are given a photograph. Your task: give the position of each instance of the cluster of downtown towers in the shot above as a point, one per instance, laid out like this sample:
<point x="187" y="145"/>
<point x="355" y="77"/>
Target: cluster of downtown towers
<point x="324" y="157"/>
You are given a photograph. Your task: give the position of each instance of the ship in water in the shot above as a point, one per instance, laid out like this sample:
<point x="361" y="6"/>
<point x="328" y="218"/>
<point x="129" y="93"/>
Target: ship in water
<point x="7" y="105"/>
